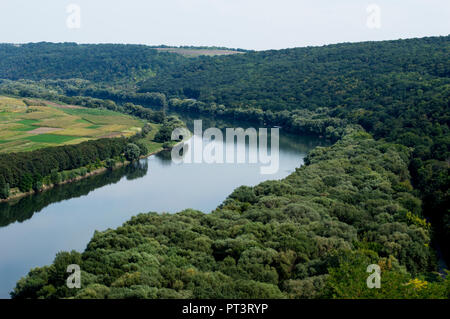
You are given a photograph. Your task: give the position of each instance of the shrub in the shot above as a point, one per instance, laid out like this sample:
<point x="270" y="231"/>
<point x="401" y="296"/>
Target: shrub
<point x="132" y="152"/>
<point x="26" y="183"/>
<point x="110" y="163"/>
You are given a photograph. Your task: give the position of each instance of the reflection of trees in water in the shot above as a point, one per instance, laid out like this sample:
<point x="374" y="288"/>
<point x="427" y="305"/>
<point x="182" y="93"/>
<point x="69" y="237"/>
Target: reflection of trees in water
<point x="137" y="170"/>
<point x="301" y="143"/>
<point x="27" y="206"/>
<point x="165" y="157"/>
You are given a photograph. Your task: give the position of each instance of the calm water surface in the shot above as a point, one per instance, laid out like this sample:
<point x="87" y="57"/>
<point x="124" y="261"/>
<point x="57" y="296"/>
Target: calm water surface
<point x="33" y="230"/>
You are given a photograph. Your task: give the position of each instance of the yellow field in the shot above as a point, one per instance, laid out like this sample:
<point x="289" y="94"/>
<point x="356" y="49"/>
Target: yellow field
<point x="25" y="128"/>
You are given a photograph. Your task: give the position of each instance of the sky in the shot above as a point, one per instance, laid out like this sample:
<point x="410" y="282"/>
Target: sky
<point x="247" y="24"/>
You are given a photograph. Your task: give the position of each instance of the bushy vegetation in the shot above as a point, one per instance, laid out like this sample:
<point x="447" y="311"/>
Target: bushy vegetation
<point x="23" y="169"/>
<point x="310" y="235"/>
<point x="165" y="132"/>
<point x="132" y="152"/>
<point x="103" y="63"/>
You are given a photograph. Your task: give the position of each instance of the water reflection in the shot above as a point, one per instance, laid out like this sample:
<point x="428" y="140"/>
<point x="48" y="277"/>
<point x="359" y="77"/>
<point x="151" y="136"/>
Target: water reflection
<point x="26" y="207"/>
<point x="165" y="157"/>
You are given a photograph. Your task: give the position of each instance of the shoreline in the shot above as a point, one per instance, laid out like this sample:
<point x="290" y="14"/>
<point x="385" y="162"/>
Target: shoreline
<point x="98" y="171"/>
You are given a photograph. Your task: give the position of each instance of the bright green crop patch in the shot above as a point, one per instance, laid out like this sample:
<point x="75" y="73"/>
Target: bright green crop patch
<point x="51" y="138"/>
<point x="28" y="121"/>
<point x="23" y="128"/>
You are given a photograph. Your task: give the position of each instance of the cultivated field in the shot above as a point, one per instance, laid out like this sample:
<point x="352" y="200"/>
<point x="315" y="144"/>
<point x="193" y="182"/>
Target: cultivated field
<point x="190" y="52"/>
<point x="27" y="125"/>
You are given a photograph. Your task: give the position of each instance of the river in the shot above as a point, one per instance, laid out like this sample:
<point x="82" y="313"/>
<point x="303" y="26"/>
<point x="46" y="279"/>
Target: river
<point x="35" y="228"/>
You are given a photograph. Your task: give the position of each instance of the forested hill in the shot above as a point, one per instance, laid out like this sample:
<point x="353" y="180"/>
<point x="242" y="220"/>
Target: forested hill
<point x="103" y="62"/>
<point x="397" y="90"/>
<point x="343" y="74"/>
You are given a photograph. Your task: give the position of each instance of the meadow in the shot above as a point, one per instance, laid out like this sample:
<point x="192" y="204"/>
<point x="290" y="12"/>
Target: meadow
<point x="27" y="125"/>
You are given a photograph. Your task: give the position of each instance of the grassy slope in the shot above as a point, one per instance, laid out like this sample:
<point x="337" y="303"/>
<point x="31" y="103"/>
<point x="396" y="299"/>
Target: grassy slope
<point x="19" y="125"/>
<point x="151" y="145"/>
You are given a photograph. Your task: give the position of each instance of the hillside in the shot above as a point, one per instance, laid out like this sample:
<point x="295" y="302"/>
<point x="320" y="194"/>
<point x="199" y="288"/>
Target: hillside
<point x="103" y="63"/>
<point x="311" y="77"/>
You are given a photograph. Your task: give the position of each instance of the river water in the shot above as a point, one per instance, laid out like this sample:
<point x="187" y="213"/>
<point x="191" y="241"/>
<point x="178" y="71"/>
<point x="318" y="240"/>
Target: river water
<point x="35" y="228"/>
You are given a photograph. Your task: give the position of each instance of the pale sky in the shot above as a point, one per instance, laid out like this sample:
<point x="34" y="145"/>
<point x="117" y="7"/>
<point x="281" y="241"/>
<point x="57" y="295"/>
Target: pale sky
<point x="248" y="24"/>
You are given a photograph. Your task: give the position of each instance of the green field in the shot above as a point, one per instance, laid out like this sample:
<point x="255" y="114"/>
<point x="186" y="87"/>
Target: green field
<point x="51" y="138"/>
<point x="26" y="128"/>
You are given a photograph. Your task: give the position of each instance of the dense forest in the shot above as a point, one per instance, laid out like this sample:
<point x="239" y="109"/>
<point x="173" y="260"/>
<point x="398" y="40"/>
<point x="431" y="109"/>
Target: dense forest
<point x="370" y="197"/>
<point x="310" y="235"/>
<point x="104" y="63"/>
<point x="25" y="169"/>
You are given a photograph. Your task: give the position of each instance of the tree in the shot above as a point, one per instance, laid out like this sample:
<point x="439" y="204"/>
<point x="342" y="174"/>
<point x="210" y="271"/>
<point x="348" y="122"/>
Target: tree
<point x="132" y="152"/>
<point x="37" y="183"/>
<point x="146" y="129"/>
<point x="142" y="148"/>
<point x="4" y="188"/>
<point x="26" y="183"/>
<point x="110" y="163"/>
<point x="164" y="134"/>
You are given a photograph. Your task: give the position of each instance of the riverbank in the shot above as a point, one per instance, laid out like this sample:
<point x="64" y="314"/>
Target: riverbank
<point x="18" y="194"/>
